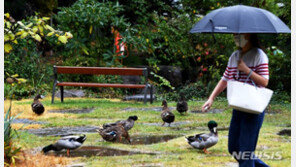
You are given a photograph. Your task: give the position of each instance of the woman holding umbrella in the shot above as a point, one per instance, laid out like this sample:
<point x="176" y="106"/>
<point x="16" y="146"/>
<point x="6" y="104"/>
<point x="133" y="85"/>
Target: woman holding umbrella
<point x="244" y="129"/>
<point x="251" y="62"/>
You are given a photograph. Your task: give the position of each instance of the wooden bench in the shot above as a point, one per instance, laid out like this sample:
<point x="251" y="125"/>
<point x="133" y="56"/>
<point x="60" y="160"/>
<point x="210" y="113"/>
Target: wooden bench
<point x="101" y="71"/>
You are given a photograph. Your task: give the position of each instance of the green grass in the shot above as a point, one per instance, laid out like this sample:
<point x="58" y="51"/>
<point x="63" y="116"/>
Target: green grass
<point x="175" y="152"/>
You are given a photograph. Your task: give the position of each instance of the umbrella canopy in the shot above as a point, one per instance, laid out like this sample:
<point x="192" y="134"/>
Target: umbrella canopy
<point x="240" y="19"/>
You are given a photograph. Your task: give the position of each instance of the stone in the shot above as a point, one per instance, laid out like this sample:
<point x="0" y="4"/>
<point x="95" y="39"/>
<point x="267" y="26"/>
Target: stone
<point x="139" y="97"/>
<point x="71" y="93"/>
<point x="172" y="74"/>
<point x="131" y="79"/>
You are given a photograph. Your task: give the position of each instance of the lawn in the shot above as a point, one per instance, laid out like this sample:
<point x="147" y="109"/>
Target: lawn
<point x="174" y="152"/>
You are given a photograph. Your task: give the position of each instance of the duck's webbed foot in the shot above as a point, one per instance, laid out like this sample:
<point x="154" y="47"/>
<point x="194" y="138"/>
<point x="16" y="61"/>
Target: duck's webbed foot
<point x="206" y="151"/>
<point x="128" y="139"/>
<point x="68" y="152"/>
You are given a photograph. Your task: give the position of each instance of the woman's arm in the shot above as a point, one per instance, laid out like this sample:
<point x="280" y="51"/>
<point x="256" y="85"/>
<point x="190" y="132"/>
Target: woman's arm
<point x="218" y="89"/>
<point x="258" y="79"/>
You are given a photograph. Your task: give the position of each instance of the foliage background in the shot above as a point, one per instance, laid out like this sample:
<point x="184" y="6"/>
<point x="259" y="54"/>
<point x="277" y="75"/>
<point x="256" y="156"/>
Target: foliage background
<point x="156" y="33"/>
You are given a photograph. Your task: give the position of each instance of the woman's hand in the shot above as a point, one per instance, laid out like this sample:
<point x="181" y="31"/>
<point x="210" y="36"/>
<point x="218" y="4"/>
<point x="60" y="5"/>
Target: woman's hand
<point x="258" y="79"/>
<point x="207" y="105"/>
<point x="241" y="66"/>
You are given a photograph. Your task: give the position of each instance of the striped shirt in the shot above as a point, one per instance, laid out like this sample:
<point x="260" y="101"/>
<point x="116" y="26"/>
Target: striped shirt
<point x="255" y="59"/>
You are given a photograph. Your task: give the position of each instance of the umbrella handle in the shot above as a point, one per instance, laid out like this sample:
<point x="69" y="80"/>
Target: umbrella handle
<point x="238" y="72"/>
<point x="211" y="21"/>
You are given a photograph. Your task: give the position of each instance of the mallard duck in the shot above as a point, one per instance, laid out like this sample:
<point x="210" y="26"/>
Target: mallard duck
<point x="203" y="141"/>
<point x="127" y="124"/>
<point x="114" y="133"/>
<point x="182" y="105"/>
<point x="37" y="106"/>
<point x="166" y="115"/>
<point x="67" y="142"/>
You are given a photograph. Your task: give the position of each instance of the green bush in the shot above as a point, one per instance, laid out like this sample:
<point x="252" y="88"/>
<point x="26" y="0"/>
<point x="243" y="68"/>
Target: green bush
<point x="26" y="61"/>
<point x="26" y="42"/>
<point x="193" y="91"/>
<point x="279" y="69"/>
<point x="90" y="21"/>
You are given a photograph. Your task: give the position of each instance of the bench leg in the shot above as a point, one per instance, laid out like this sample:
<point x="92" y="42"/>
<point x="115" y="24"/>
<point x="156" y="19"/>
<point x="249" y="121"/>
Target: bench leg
<point x="145" y="94"/>
<point x="151" y="94"/>
<point x="62" y="94"/>
<point x="53" y="92"/>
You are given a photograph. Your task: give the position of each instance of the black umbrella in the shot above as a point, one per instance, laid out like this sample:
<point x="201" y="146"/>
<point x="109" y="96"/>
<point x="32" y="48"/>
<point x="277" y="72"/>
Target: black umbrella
<point x="240" y="19"/>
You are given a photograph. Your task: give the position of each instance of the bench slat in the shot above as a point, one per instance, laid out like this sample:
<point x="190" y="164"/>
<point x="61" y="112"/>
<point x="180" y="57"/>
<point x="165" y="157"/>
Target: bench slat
<point x="100" y="85"/>
<point x="99" y="70"/>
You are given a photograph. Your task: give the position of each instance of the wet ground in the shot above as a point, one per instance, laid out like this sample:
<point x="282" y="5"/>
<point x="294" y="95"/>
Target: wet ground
<point x="174" y="124"/>
<point x="89" y="151"/>
<point x="63" y="131"/>
<point x="146" y="109"/>
<point x="73" y="111"/>
<point x="214" y="111"/>
<point x="200" y="128"/>
<point x="78" y="130"/>
<point x="148" y="139"/>
<point x="26" y="121"/>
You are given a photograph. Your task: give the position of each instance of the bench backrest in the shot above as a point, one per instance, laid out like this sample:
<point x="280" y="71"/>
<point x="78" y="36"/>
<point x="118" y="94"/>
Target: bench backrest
<point x="100" y="70"/>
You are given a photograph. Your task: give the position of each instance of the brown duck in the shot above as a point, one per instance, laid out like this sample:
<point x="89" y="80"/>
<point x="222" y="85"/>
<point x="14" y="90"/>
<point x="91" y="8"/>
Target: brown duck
<point x="166" y="115"/>
<point x="114" y="133"/>
<point x="127" y="124"/>
<point x="37" y="106"/>
<point x="182" y="105"/>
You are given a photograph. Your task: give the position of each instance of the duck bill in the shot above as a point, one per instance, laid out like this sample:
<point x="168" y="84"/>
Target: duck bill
<point x="215" y="130"/>
<point x="42" y="97"/>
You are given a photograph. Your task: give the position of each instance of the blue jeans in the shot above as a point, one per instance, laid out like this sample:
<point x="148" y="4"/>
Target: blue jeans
<point x="243" y="136"/>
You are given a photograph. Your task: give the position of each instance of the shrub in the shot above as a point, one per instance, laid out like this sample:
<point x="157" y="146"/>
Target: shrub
<point x="25" y="43"/>
<point x="192" y="91"/>
<point x="90" y="21"/>
<point x="279" y="69"/>
<point x="10" y="151"/>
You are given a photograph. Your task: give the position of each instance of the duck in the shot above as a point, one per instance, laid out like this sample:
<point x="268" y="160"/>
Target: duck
<point x="127" y="124"/>
<point x="182" y="105"/>
<point x="204" y="141"/>
<point x="67" y="142"/>
<point x="37" y="106"/>
<point x="166" y="115"/>
<point x="114" y="133"/>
